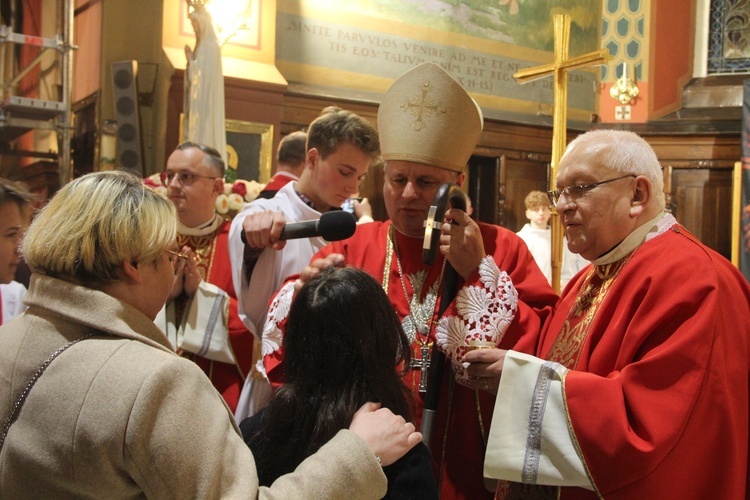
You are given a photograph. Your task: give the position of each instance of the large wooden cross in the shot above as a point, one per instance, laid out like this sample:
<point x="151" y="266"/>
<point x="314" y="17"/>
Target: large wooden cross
<point x="559" y="68"/>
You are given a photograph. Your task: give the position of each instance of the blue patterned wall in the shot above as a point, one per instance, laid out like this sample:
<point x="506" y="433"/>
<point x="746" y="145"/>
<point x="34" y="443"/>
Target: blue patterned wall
<point x="623" y="35"/>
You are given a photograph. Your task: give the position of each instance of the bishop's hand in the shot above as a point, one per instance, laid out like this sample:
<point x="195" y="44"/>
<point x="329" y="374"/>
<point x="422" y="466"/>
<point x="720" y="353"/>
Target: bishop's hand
<point x="485" y="366"/>
<point x="316" y="266"/>
<point x="461" y="242"/>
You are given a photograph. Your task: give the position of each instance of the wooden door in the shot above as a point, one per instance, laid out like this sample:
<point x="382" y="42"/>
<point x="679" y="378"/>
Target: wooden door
<point x="702" y="199"/>
<point x="522" y="177"/>
<point x="498" y="186"/>
<point x="485" y="188"/>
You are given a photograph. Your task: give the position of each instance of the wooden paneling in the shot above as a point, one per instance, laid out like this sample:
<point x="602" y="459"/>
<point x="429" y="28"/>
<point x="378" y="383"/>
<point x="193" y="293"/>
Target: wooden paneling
<point x="701" y="183"/>
<point x="703" y="204"/>
<point x="523" y="176"/>
<point x="696" y="150"/>
<point x="486" y="189"/>
<point x="299" y="111"/>
<point x="372" y="189"/>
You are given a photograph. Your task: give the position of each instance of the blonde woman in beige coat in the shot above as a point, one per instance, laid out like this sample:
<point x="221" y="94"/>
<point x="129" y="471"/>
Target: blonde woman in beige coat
<point x="117" y="414"/>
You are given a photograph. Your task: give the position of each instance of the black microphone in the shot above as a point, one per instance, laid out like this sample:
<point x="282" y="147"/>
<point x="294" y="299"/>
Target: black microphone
<point x="332" y="226"/>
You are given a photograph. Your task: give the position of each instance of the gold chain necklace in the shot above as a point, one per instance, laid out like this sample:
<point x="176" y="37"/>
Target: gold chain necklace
<point x="422" y="363"/>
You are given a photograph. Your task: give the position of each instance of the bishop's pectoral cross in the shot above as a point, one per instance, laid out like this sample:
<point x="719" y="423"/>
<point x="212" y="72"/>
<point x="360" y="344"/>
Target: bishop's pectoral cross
<point x="559" y="68"/>
<point x="423" y="365"/>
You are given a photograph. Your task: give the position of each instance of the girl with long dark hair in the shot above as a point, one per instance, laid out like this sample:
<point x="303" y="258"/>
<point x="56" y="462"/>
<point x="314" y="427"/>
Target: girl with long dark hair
<point x="343" y="346"/>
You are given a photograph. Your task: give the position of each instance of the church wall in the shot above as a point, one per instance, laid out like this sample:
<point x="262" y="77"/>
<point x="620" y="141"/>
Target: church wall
<point x="626" y="34"/>
<point x="654" y="39"/>
<point x="32" y="23"/>
<point x="673" y="31"/>
<point x="87" y="60"/>
<point x="356" y="48"/>
<point x="126" y="35"/>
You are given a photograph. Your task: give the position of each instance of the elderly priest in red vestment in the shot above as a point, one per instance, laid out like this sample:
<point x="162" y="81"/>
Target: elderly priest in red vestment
<point x="429" y="127"/>
<point x="638" y="384"/>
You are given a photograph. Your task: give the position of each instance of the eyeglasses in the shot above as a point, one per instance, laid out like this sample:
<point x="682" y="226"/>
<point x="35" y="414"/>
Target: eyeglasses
<point x="184" y="177"/>
<point x="575" y="192"/>
<point x="174" y="257"/>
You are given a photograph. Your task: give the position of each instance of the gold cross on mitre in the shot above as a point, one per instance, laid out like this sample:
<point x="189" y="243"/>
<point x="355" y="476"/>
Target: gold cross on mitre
<point x="559" y="68"/>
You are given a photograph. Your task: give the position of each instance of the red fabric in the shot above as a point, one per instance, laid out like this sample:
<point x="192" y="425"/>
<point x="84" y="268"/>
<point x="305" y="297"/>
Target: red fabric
<point x="278" y="181"/>
<point x="228" y="379"/>
<point x="658" y="400"/>
<point x="463" y="444"/>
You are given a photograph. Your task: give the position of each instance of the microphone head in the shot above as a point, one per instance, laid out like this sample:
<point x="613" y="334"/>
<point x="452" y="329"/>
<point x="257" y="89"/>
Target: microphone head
<point x="336" y="225"/>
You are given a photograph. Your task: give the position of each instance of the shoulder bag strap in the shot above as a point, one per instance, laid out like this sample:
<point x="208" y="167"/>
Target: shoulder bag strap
<point x="19" y="403"/>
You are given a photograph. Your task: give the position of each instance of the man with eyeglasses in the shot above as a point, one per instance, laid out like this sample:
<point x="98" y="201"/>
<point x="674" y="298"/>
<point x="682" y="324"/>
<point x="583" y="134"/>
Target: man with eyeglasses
<point x="637" y="386"/>
<point x="200" y="316"/>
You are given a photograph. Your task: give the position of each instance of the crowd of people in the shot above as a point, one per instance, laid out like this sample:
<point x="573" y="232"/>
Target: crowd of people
<point x="164" y="351"/>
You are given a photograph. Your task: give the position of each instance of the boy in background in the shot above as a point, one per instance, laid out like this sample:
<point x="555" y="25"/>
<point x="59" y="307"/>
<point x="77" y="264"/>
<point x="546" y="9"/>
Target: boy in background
<point x="15" y="202"/>
<point x="341" y="146"/>
<point x="538" y="237"/>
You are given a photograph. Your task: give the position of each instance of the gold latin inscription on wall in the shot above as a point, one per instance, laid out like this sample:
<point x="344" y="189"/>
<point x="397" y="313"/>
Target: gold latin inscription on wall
<point x="354" y="48"/>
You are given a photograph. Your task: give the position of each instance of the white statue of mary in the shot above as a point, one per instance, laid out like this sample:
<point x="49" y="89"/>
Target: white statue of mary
<point x="204" y="120"/>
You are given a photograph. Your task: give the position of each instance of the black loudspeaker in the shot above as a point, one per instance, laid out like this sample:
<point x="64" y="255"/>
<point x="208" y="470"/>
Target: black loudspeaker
<point x="129" y="152"/>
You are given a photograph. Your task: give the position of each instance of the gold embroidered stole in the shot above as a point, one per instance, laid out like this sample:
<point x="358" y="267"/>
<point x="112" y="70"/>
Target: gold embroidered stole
<point x="568" y="345"/>
<point x="204" y="247"/>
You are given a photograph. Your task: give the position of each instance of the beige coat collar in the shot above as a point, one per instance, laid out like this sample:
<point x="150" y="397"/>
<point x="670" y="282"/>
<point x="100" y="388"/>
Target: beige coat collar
<point x="95" y="309"/>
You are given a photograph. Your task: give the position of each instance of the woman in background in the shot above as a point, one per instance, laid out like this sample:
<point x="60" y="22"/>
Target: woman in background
<point x="343" y="346"/>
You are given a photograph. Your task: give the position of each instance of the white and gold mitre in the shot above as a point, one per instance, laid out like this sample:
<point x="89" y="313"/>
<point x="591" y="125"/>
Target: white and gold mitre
<point x="427" y="117"/>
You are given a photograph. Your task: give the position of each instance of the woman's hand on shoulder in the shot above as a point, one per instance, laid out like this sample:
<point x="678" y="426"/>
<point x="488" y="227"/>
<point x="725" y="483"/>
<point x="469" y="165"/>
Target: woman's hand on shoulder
<point x="389" y="436"/>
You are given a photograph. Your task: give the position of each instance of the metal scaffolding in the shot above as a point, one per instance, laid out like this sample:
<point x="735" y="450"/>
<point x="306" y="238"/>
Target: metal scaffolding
<point x="18" y="114"/>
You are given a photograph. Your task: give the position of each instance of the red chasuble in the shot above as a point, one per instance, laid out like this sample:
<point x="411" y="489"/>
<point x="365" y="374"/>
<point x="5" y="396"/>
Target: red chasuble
<point x="464" y="415"/>
<point x="659" y="349"/>
<point x="278" y="181"/>
<point x="214" y="267"/>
